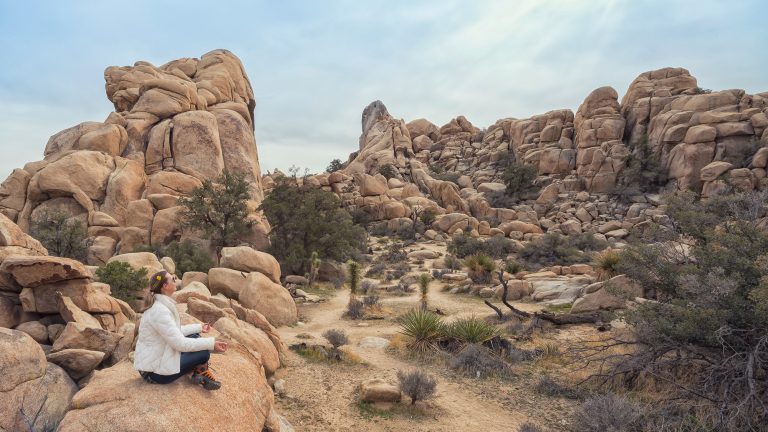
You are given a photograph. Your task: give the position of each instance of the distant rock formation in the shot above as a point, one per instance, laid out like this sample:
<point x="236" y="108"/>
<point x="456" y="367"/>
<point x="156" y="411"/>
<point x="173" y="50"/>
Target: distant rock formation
<point x="173" y="127"/>
<point x="701" y="140"/>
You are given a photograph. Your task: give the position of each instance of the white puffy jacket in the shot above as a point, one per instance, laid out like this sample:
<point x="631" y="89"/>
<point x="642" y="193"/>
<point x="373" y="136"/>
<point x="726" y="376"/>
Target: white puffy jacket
<point x="162" y="338"/>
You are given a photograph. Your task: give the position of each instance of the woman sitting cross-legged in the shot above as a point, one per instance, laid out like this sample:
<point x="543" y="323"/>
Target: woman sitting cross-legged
<point x="166" y="350"/>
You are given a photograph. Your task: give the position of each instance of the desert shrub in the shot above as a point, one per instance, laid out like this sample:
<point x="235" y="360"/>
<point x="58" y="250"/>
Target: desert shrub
<point x="549" y="387"/>
<point x="607" y="412"/>
<point x="61" y="235"/>
<point x="500" y="199"/>
<point x="388" y="171"/>
<point x="519" y="178"/>
<point x="306" y="219"/>
<point x="707" y="332"/>
<point x="368" y="287"/>
<point x="606" y="264"/>
<point x="551" y="249"/>
<point x="335" y="165"/>
<point x="586" y="242"/>
<point x="339" y="280"/>
<point x="496" y="247"/>
<point x="336" y="337"/>
<point x="378" y="229"/>
<point x="423" y="327"/>
<point x="123" y="279"/>
<point x="362" y="218"/>
<point x="512" y="267"/>
<point x="451" y="262"/>
<point x="355" y="309"/>
<point x="188" y="257"/>
<point x="398" y="270"/>
<point x="529" y="427"/>
<point x="476" y="361"/>
<point x="480" y="267"/>
<point x="395" y="253"/>
<point x="402" y="288"/>
<point x="371" y="301"/>
<point x="427" y="217"/>
<point x="417" y="385"/>
<point x="643" y="171"/>
<point x="376" y="270"/>
<point x="219" y="209"/>
<point x="470" y="330"/>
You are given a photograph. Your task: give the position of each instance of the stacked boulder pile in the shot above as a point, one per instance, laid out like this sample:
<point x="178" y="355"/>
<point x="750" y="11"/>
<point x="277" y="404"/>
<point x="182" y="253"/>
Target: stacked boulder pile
<point x="174" y="127"/>
<point x="701" y="140"/>
<point x="67" y="344"/>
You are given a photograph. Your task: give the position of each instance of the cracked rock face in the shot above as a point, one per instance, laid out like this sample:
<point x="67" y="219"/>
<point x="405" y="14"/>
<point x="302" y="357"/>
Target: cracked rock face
<point x="174" y="126"/>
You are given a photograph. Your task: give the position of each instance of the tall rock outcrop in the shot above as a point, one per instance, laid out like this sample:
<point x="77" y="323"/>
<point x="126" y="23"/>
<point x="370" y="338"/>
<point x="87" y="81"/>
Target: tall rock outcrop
<point x="174" y="126"/>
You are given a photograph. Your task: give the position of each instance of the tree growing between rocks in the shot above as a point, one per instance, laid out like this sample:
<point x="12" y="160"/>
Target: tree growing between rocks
<point x="123" y="279"/>
<point x="219" y="209"/>
<point x="60" y="234"/>
<point x="306" y="219"/>
<point x="334" y="166"/>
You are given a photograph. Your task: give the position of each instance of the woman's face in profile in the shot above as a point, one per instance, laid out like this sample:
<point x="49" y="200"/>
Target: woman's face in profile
<point x="170" y="285"/>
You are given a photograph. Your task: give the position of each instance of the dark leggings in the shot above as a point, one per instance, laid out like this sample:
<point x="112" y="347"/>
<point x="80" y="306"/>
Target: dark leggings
<point x="187" y="362"/>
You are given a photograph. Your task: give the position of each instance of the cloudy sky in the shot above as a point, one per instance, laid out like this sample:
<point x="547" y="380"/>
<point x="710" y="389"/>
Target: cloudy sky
<point x="314" y="65"/>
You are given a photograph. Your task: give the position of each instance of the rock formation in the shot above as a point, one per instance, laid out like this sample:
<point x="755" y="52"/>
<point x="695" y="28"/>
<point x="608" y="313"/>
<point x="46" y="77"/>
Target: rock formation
<point x="173" y="127"/>
<point x="701" y="140"/>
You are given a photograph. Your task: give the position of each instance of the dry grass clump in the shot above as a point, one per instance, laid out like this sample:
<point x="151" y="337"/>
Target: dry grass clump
<point x="417" y="385"/>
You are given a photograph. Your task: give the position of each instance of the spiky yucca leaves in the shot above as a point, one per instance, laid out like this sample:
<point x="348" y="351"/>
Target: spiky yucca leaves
<point x="471" y="330"/>
<point x="423" y="327"/>
<point x="423" y="281"/>
<point x="606" y="263"/>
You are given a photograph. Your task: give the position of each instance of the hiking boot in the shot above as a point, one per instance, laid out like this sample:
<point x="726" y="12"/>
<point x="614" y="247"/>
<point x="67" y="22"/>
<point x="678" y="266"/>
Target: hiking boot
<point x="203" y="376"/>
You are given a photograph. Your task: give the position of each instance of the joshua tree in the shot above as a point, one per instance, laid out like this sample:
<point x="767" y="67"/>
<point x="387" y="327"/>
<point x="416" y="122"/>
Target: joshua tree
<point x="424" y="280"/>
<point x="314" y="267"/>
<point x="353" y="268"/>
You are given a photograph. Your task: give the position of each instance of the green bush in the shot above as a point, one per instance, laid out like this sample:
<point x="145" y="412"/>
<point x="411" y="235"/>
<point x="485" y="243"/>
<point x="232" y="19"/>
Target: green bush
<point x="607" y="263"/>
<point x="519" y="178"/>
<point x="554" y="249"/>
<point x="335" y="165"/>
<point x="451" y="262"/>
<point x="423" y="327"/>
<point x="188" y="257"/>
<point x="388" y="171"/>
<point x="123" y="279"/>
<point x="707" y="331"/>
<point x="480" y="267"/>
<point x="427" y="217"/>
<point x="471" y="330"/>
<point x="306" y="219"/>
<point x="512" y="267"/>
<point x="60" y="234"/>
<point x="496" y="247"/>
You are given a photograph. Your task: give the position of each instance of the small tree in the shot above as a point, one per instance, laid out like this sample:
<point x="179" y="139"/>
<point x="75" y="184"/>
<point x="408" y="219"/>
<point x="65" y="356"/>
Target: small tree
<point x="519" y="178"/>
<point x="388" y="171"/>
<point x="123" y="279"/>
<point x="306" y="219"/>
<point x="335" y="165"/>
<point x="61" y="235"/>
<point x="417" y="385"/>
<point x="219" y="209"/>
<point x="336" y="337"/>
<point x="423" y="281"/>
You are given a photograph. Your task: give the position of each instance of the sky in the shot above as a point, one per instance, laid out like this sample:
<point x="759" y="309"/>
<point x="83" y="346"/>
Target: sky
<point x="315" y="65"/>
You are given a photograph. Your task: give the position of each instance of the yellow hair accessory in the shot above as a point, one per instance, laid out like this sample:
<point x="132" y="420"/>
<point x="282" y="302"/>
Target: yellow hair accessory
<point x="159" y="277"/>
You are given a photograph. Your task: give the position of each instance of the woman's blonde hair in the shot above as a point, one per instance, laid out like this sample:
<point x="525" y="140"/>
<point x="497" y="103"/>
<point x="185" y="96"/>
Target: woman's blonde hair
<point x="156" y="282"/>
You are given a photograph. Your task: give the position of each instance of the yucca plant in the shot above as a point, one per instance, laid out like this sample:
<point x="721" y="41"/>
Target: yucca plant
<point x="607" y="263"/>
<point x="314" y="268"/>
<point x="480" y="267"/>
<point x="423" y="327"/>
<point x="423" y="281"/>
<point x="353" y="268"/>
<point x="471" y="330"/>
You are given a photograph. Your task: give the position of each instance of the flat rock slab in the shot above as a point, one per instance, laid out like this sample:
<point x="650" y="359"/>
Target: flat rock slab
<point x="373" y="342"/>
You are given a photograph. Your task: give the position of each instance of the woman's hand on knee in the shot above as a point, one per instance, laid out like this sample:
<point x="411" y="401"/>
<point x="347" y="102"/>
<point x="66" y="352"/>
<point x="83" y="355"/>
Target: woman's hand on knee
<point x="219" y="346"/>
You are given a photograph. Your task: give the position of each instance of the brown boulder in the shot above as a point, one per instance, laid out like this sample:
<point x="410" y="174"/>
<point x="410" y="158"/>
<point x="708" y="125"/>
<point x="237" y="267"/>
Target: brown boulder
<point x="77" y="362"/>
<point x="226" y="281"/>
<point x="247" y="259"/>
<point x="270" y="299"/>
<point x="194" y="289"/>
<point x="252" y="338"/>
<point x="10" y="310"/>
<point x="71" y="313"/>
<point x="241" y="404"/>
<point x="36" y="330"/>
<point x="87" y="295"/>
<point x="193" y="276"/>
<point x="370" y="185"/>
<point x="33" y="271"/>
<point x="12" y="235"/>
<point x="77" y="335"/>
<point x="378" y="390"/>
<point x="204" y="310"/>
<point x="195" y="145"/>
<point x="138" y="260"/>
